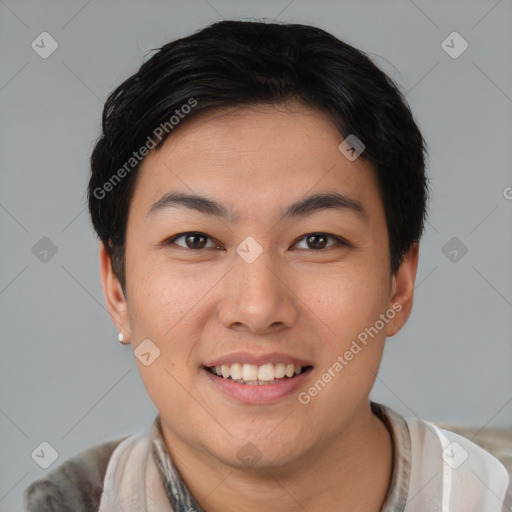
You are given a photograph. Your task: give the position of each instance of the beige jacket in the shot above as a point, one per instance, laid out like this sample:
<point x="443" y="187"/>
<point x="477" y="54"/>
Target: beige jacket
<point x="434" y="470"/>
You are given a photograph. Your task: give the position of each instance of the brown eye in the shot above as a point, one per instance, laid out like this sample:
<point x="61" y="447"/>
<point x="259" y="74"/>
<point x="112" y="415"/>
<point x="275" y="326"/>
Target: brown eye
<point x="195" y="241"/>
<point x="317" y="241"/>
<point x="192" y="240"/>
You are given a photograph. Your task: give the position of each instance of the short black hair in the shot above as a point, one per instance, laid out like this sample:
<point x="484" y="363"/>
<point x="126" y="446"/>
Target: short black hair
<point x="243" y="63"/>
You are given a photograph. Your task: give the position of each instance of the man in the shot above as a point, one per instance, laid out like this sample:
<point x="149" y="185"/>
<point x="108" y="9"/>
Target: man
<point x="259" y="192"/>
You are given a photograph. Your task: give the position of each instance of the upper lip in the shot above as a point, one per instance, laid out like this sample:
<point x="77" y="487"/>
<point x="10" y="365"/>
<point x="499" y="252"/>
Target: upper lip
<point x="258" y="360"/>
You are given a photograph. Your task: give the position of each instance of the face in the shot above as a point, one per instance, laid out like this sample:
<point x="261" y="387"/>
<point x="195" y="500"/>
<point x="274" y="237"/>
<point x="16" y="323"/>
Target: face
<point x="278" y="264"/>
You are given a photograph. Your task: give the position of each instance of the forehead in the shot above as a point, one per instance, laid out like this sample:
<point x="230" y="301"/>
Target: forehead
<point x="255" y="160"/>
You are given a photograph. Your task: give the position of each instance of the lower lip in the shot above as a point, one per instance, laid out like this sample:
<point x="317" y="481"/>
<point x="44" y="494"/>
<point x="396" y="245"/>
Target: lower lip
<point x="258" y="394"/>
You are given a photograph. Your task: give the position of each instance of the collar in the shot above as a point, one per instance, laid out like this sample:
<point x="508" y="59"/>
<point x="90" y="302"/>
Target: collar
<point x="182" y="501"/>
<point x="396" y="498"/>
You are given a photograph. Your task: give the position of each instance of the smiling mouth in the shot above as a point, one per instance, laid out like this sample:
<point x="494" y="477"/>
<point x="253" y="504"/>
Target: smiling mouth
<point x="257" y="375"/>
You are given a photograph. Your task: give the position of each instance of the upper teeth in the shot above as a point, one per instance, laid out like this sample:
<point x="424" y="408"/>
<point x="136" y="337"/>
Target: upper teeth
<point x="252" y="372"/>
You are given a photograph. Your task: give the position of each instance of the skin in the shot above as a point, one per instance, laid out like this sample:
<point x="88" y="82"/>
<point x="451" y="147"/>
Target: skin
<point x="199" y="304"/>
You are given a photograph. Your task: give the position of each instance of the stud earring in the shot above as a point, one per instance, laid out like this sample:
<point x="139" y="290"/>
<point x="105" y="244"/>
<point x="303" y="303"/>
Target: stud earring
<point x="120" y="336"/>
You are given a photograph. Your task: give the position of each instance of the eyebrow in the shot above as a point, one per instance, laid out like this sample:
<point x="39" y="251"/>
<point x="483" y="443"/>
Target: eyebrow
<point x="301" y="208"/>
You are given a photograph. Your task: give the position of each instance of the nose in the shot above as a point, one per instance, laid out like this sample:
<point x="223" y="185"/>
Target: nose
<point x="258" y="297"/>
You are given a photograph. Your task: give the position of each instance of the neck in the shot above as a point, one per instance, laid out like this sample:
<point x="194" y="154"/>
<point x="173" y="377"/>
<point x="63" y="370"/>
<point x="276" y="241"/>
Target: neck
<point x="351" y="471"/>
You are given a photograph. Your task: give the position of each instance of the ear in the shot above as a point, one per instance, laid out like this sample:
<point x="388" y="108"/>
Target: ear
<point x="402" y="289"/>
<point x="114" y="295"/>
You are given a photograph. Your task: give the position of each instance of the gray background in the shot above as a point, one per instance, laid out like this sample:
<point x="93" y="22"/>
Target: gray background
<point x="64" y="377"/>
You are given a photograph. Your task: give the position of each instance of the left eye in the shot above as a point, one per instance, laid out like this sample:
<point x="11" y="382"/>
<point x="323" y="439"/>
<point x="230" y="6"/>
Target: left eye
<point x="317" y="241"/>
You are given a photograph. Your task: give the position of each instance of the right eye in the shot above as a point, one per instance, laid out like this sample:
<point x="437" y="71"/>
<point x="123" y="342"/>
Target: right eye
<point x="191" y="240"/>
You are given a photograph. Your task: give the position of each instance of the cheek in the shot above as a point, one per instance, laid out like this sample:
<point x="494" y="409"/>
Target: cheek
<point x="161" y="306"/>
<point x="158" y="307"/>
<point x="160" y="294"/>
<point x="168" y="304"/>
<point x="349" y="304"/>
<point x="346" y="301"/>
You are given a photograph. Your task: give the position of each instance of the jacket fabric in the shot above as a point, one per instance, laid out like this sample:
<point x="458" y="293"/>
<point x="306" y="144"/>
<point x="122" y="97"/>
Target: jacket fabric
<point x="433" y="470"/>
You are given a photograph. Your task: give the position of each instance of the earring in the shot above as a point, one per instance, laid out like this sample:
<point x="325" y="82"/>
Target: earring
<point x="120" y="336"/>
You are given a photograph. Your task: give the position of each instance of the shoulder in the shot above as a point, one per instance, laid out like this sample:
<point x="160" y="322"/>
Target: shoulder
<point x="74" y="486"/>
<point x="467" y="472"/>
<point x="450" y="466"/>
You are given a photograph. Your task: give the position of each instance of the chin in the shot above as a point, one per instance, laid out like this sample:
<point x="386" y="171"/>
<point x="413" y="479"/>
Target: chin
<point x="264" y="451"/>
<point x="253" y="458"/>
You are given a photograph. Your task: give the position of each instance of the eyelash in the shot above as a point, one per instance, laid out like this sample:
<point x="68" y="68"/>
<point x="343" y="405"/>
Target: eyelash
<point x="339" y="241"/>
